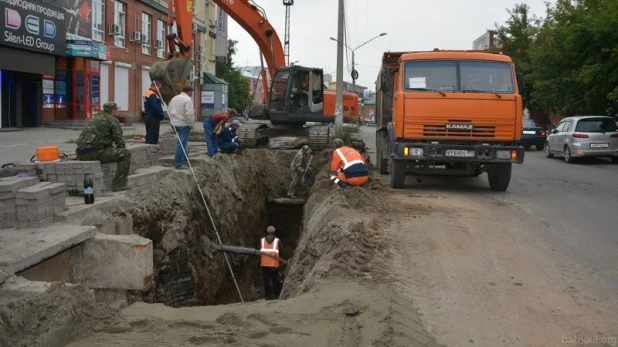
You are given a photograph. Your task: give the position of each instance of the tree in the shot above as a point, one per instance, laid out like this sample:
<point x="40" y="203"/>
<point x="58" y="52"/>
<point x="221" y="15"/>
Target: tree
<point x="239" y="91"/>
<point x="516" y="38"/>
<point x="571" y="57"/>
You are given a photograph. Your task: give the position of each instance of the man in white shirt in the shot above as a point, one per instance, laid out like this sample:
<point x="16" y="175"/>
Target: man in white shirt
<point x="182" y="117"/>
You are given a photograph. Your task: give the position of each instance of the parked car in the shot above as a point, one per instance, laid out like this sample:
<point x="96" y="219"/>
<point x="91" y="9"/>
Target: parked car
<point x="583" y="136"/>
<point x="533" y="135"/>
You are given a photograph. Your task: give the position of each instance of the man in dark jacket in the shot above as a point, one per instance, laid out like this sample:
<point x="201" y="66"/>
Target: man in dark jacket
<point x="228" y="139"/>
<point x="153" y="109"/>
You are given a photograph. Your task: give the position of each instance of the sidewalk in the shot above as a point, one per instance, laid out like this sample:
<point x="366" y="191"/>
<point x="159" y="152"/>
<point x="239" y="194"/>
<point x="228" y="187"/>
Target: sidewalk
<point x="20" y="146"/>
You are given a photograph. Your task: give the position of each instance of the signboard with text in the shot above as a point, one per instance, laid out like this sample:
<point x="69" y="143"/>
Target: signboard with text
<point x="208" y="99"/>
<point x="32" y="25"/>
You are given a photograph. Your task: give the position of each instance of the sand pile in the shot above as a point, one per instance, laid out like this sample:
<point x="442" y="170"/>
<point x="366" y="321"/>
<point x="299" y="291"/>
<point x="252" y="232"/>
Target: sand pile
<point x="54" y="318"/>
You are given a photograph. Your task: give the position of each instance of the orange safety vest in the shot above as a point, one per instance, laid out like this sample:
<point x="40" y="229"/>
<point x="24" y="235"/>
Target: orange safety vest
<point x="149" y="92"/>
<point x="344" y="157"/>
<point x="271" y="249"/>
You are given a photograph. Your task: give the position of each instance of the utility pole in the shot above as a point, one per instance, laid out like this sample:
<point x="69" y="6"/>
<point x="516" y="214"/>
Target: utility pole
<point x="354" y="73"/>
<point x="339" y="92"/>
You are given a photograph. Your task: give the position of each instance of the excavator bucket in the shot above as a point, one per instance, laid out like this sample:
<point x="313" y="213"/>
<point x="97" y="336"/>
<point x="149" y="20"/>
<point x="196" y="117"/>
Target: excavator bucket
<point x="172" y="74"/>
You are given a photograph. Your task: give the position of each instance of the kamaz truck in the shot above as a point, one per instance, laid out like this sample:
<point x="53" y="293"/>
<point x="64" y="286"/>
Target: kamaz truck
<point x="447" y="112"/>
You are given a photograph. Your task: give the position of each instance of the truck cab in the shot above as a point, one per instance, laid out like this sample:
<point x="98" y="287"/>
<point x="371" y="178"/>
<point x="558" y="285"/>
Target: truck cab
<point x="449" y="113"/>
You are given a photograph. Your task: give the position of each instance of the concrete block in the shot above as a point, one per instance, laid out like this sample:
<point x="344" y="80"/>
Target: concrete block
<point x="21" y="249"/>
<point x="114" y="261"/>
<point x="35" y="192"/>
<point x="13" y="184"/>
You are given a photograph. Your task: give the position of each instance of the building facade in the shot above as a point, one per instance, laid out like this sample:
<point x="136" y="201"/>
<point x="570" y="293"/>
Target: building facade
<point x="34" y="38"/>
<point x="61" y="62"/>
<point x="349" y="87"/>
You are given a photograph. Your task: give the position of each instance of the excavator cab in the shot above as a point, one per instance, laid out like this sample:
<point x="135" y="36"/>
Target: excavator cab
<point x="297" y="96"/>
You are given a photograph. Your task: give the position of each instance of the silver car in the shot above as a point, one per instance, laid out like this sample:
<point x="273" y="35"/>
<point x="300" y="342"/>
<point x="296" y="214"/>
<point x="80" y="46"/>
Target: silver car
<point x="583" y="136"/>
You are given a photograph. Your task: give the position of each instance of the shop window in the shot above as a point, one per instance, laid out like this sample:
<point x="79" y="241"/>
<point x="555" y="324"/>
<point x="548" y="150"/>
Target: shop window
<point x="98" y="20"/>
<point x="146" y="33"/>
<point x="120" y="19"/>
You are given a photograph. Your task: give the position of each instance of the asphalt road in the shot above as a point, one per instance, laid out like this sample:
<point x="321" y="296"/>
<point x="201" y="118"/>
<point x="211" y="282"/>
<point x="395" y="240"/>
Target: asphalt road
<point x="571" y="207"/>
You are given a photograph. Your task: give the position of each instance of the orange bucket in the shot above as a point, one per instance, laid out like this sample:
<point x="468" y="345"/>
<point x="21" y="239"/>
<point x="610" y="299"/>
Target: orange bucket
<point x="48" y="153"/>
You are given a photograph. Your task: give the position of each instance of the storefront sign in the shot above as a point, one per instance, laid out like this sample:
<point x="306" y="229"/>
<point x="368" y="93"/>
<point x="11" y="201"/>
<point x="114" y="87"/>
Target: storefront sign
<point x="208" y="99"/>
<point x="31" y="25"/>
<point x="86" y="49"/>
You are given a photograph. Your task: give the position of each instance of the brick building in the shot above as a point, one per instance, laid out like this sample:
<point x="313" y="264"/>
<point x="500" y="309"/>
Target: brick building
<point x="102" y="51"/>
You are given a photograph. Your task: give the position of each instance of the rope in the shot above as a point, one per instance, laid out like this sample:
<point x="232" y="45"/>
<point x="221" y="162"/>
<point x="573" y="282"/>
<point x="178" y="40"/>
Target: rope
<point x="212" y="221"/>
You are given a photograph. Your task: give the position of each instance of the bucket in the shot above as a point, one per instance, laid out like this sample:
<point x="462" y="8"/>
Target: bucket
<point x="48" y="153"/>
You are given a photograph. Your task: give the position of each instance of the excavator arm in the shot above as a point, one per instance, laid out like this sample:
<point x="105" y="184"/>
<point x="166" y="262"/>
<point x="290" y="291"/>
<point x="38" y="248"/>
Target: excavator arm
<point x="252" y="18"/>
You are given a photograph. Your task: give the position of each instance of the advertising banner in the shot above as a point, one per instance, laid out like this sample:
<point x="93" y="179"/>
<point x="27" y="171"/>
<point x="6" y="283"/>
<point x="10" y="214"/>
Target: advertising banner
<point x="221" y="40"/>
<point x="78" y="16"/>
<point x="32" y="25"/>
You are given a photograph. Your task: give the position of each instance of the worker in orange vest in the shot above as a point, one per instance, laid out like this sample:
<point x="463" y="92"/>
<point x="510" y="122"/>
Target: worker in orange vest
<point x="270" y="245"/>
<point x="348" y="167"/>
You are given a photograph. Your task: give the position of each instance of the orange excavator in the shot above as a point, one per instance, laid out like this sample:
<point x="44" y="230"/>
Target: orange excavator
<point x="296" y="94"/>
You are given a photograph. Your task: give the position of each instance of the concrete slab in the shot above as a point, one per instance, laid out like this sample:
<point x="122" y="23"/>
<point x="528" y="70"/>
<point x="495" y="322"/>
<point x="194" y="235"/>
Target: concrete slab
<point x="23" y="248"/>
<point x="114" y="261"/>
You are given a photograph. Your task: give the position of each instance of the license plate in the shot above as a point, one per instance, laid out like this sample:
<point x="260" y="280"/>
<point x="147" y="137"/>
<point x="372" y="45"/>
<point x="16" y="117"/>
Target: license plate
<point x="459" y="153"/>
<point x="528" y="132"/>
<point x="599" y="145"/>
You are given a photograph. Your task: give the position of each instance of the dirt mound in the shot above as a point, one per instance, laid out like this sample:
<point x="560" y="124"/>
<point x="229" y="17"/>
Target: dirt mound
<point x="54" y="318"/>
<point x="341" y="235"/>
<point x="339" y="313"/>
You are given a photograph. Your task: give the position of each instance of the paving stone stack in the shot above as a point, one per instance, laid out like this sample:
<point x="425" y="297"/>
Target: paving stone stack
<point x="8" y="191"/>
<point x="39" y="205"/>
<point x="71" y="173"/>
<point x="142" y="156"/>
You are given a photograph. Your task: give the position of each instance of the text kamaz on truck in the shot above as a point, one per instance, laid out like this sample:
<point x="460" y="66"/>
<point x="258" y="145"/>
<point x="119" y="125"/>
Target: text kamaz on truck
<point x="449" y="113"/>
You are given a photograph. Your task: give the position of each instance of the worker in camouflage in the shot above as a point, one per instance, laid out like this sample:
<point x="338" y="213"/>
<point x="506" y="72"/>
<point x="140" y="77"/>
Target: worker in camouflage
<point x="96" y="142"/>
<point x="300" y="169"/>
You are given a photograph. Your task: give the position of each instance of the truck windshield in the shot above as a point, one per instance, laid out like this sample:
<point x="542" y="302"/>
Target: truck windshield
<point x="474" y="76"/>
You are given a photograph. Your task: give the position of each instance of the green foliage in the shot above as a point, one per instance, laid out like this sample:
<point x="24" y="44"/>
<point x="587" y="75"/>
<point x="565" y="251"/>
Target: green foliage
<point x="239" y="91"/>
<point x="570" y="57"/>
<point x="345" y="132"/>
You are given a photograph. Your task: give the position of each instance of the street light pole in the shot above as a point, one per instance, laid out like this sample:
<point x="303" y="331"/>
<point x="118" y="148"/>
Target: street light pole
<point x="339" y="91"/>
<point x="354" y="72"/>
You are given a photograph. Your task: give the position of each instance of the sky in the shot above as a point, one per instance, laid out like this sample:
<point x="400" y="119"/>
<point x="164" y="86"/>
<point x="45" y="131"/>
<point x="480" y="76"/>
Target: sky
<point x="411" y="25"/>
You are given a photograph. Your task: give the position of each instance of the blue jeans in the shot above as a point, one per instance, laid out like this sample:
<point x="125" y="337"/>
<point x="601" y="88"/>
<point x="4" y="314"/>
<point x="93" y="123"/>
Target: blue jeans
<point x="211" y="141"/>
<point x="183" y="134"/>
<point x="229" y="147"/>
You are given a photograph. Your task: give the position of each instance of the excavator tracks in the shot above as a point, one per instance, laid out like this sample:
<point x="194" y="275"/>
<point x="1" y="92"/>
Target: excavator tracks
<point x="258" y="134"/>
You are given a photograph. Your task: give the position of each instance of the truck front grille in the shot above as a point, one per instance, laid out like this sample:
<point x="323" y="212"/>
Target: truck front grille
<point x="439" y="130"/>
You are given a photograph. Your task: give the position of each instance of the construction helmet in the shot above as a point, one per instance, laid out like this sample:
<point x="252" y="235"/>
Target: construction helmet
<point x="270" y="229"/>
<point x="338" y="142"/>
<point x="306" y="149"/>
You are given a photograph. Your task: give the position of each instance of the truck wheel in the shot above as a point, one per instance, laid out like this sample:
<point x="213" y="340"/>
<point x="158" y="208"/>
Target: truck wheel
<point x="397" y="173"/>
<point x="382" y="162"/>
<point x="499" y="177"/>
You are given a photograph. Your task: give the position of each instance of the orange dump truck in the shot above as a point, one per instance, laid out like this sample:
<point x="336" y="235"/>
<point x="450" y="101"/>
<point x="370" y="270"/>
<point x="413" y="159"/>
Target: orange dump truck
<point x="449" y="113"/>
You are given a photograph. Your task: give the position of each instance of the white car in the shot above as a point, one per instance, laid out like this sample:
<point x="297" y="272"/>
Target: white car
<point x="583" y="136"/>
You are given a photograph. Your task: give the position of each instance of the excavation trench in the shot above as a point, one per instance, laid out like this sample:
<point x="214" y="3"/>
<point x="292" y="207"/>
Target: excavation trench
<point x="244" y="196"/>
